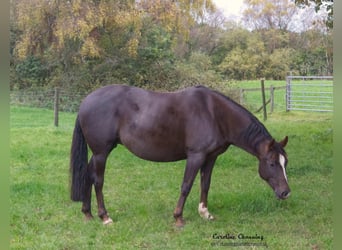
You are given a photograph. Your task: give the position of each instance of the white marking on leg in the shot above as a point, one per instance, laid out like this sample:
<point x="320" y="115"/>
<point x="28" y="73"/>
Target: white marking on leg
<point x="204" y="212"/>
<point x="282" y="164"/>
<point x="108" y="221"/>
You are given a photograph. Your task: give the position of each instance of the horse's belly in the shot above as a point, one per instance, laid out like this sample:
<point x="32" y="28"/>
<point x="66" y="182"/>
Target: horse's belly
<point x="153" y="148"/>
<point x="159" y="155"/>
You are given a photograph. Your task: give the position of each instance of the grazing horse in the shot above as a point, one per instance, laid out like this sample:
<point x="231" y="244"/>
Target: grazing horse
<point x="197" y="124"/>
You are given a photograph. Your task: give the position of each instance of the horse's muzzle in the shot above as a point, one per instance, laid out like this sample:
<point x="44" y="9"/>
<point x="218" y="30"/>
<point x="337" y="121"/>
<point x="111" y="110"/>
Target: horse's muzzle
<point x="283" y="195"/>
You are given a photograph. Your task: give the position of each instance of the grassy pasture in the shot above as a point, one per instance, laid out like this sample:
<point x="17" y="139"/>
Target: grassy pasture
<point x="140" y="195"/>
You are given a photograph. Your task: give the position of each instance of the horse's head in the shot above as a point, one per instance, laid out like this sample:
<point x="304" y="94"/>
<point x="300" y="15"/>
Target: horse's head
<point x="272" y="167"/>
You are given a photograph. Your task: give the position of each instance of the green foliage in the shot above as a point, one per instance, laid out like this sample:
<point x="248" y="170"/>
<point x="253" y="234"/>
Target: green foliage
<point x="81" y="45"/>
<point x="155" y="44"/>
<point x="141" y="195"/>
<point x="30" y="72"/>
<point x="248" y="63"/>
<point x="155" y="50"/>
<point x="280" y="63"/>
<point x="197" y="70"/>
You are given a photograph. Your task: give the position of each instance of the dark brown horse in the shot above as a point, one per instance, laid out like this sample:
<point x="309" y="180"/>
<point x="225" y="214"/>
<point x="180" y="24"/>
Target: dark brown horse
<point x="196" y="124"/>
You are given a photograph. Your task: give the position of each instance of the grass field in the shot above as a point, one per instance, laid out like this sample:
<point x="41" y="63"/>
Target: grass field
<point x="140" y="195"/>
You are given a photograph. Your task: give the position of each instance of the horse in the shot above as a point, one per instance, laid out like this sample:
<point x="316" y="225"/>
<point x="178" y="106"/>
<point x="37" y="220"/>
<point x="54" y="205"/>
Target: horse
<point x="196" y="123"/>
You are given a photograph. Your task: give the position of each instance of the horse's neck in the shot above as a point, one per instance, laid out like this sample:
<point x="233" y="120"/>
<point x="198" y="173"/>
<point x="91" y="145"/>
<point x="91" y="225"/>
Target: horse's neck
<point x="257" y="150"/>
<point x="240" y="127"/>
<point x="253" y="138"/>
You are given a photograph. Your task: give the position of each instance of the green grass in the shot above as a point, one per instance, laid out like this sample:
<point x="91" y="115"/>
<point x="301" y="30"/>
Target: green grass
<point x="140" y="195"/>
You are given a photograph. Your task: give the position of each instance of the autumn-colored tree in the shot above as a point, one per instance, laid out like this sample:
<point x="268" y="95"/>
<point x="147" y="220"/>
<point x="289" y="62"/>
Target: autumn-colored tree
<point x="158" y="44"/>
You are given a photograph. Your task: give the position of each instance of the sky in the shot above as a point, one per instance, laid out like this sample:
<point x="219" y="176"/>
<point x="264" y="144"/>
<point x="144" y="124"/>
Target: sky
<point x="230" y="8"/>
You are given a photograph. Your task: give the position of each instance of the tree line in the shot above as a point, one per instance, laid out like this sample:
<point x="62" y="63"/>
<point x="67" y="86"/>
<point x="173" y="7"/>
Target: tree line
<point x="164" y="44"/>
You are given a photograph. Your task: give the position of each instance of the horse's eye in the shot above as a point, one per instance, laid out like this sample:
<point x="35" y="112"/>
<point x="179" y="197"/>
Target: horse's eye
<point x="272" y="164"/>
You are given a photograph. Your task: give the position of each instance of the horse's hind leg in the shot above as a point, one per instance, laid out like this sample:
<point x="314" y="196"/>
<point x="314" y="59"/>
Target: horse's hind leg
<point x="98" y="177"/>
<point x="86" y="207"/>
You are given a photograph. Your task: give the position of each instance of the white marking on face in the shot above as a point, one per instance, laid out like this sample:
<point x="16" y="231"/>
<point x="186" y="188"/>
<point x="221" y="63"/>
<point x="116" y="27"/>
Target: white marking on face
<point x="282" y="164"/>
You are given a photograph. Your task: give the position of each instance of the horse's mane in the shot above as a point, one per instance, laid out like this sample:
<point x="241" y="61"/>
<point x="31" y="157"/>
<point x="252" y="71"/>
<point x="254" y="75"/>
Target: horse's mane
<point x="256" y="131"/>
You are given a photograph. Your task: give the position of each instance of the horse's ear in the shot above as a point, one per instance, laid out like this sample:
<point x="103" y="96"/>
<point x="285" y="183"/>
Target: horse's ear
<point x="284" y="141"/>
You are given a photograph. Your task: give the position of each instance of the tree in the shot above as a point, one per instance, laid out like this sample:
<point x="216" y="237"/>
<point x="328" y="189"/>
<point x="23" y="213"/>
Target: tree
<point x="274" y="39"/>
<point x="280" y="63"/>
<point x="179" y="18"/>
<point x="313" y="52"/>
<point x="269" y="14"/>
<point x="90" y="43"/>
<point x="197" y="70"/>
<point x="231" y="37"/>
<point x="159" y="44"/>
<point x="247" y="60"/>
<point x="204" y="37"/>
<point x="327" y="5"/>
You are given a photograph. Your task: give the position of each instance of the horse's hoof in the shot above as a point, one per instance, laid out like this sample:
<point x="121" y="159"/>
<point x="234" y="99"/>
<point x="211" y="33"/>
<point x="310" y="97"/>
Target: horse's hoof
<point x="88" y="217"/>
<point x="180" y="223"/>
<point x="107" y="221"/>
<point x="210" y="217"/>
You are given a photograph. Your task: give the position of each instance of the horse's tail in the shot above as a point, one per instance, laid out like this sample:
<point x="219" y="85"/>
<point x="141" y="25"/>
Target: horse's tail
<point x="78" y="163"/>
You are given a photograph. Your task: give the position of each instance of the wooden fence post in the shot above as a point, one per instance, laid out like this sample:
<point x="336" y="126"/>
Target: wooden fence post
<point x="56" y="105"/>
<point x="263" y="98"/>
<point x="272" y="98"/>
<point x="241" y="96"/>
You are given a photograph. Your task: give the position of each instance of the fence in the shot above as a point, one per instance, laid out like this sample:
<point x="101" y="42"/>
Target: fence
<point x="251" y="98"/>
<point x="309" y="93"/>
<point x="56" y="99"/>
<point x="68" y="101"/>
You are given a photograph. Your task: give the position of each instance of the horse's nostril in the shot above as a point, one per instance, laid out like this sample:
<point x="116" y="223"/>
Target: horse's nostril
<point x="285" y="194"/>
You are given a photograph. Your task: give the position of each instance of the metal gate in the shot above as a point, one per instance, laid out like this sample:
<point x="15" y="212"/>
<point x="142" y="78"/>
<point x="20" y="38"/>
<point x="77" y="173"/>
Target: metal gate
<point x="309" y="93"/>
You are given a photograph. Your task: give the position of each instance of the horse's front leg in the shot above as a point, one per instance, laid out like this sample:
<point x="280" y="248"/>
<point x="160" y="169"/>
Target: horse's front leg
<point x="193" y="164"/>
<point x="100" y="163"/>
<point x="206" y="171"/>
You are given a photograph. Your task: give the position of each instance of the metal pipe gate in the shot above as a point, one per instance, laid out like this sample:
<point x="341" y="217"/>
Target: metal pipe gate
<point x="309" y="93"/>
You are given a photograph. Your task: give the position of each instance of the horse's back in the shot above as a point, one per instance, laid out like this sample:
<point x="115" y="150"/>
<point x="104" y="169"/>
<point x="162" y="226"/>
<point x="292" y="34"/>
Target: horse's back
<point x="154" y="126"/>
<point x="102" y="98"/>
